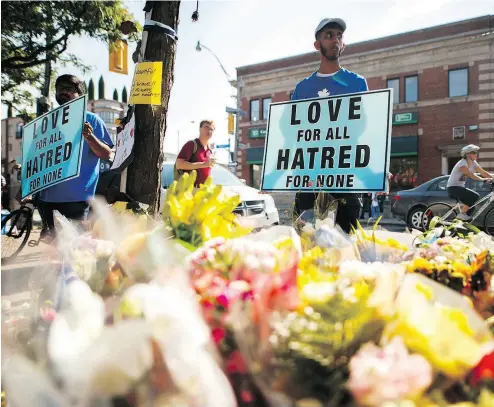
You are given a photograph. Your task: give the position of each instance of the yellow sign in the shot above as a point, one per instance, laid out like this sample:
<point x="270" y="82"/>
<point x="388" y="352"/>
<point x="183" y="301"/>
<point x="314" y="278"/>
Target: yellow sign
<point x="146" y="86"/>
<point x="231" y="123"/>
<point x="119" y="57"/>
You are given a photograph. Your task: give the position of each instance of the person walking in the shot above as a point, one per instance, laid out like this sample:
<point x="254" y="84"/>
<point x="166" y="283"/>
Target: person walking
<point x="197" y="155"/>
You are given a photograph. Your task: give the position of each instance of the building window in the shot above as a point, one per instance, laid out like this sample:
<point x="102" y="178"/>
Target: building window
<point x="254" y="110"/>
<point x="18" y="130"/>
<point x="411" y="89"/>
<point x="395" y="85"/>
<point x="458" y="82"/>
<point x="255" y="175"/>
<point x="265" y="108"/>
<point x="405" y="172"/>
<point x="109" y="117"/>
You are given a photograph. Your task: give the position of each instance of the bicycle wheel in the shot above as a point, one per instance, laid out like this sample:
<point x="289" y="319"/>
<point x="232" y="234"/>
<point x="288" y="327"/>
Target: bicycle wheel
<point x="489" y="222"/>
<point x="16" y="228"/>
<point x="439" y="211"/>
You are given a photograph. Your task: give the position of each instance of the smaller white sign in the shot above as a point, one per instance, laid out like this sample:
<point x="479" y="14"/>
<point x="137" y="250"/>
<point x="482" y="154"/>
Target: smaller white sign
<point x="125" y="143"/>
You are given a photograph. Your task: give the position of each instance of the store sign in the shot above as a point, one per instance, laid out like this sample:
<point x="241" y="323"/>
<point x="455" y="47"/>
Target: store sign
<point x="405" y="118"/>
<point x="257" y="133"/>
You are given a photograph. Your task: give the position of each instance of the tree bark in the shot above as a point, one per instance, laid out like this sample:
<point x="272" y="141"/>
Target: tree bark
<point x="143" y="177"/>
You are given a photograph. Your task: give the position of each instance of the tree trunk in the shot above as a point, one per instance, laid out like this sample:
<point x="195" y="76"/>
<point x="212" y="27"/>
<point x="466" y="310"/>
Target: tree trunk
<point x="143" y="178"/>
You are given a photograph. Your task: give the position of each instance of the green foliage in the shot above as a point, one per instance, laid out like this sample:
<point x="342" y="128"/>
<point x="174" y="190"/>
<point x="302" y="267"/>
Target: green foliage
<point x="34" y="31"/>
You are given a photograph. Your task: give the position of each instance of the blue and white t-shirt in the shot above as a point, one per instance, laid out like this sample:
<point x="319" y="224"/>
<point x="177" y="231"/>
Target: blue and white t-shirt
<point x="84" y="186"/>
<point x="320" y="85"/>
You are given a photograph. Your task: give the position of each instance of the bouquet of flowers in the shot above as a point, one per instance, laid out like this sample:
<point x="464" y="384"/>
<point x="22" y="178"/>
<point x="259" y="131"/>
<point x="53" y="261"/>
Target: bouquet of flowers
<point x="464" y="265"/>
<point x="260" y="271"/>
<point x="195" y="217"/>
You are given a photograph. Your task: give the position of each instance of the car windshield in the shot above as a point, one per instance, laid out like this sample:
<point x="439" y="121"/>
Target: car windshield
<point x="221" y="176"/>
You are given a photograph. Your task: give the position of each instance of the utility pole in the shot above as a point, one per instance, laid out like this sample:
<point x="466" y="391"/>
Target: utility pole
<point x="43" y="103"/>
<point x="158" y="44"/>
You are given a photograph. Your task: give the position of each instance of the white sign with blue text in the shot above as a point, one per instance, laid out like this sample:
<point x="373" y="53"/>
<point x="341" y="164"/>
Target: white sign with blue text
<point x="333" y="144"/>
<point x="52" y="147"/>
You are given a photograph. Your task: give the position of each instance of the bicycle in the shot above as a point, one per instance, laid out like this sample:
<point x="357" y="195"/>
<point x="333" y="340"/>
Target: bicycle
<point x="444" y="213"/>
<point x="17" y="227"/>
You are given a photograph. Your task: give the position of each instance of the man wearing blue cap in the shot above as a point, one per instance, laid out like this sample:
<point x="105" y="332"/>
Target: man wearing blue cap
<point x="331" y="79"/>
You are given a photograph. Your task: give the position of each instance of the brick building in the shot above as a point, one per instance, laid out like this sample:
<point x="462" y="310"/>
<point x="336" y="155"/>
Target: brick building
<point x="443" y="81"/>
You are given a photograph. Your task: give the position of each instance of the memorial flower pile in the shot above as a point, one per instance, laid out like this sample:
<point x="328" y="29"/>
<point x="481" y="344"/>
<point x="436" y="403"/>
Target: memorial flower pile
<point x="196" y="310"/>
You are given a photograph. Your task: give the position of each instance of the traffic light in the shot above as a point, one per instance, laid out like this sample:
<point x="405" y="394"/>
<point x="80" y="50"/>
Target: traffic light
<point x="231" y="123"/>
<point x="119" y="57"/>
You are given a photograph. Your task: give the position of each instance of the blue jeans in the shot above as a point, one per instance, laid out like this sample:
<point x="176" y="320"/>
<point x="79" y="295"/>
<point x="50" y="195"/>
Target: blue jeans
<point x="375" y="211"/>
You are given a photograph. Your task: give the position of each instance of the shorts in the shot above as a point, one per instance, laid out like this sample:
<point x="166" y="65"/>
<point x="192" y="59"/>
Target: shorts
<point x="464" y="195"/>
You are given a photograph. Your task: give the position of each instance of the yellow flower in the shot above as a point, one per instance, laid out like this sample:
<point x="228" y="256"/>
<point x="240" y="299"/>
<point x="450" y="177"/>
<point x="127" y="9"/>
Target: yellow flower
<point x="432" y="326"/>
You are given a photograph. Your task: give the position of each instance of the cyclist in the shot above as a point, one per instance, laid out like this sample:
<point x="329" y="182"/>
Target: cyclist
<point x="466" y="168"/>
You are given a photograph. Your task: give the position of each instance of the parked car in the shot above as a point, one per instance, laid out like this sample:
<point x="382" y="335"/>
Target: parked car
<point x="259" y="208"/>
<point x="409" y="205"/>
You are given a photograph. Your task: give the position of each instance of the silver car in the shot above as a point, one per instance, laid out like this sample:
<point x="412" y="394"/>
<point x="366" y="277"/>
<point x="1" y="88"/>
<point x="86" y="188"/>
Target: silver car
<point x="409" y="205"/>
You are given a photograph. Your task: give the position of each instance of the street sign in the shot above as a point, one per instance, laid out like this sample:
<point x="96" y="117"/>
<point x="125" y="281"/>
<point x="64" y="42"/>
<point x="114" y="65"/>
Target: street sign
<point x="223" y="146"/>
<point x="233" y="165"/>
<point x="236" y="111"/>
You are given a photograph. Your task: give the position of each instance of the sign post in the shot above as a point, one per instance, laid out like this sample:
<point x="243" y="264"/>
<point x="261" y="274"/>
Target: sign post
<point x="52" y="147"/>
<point x="334" y="144"/>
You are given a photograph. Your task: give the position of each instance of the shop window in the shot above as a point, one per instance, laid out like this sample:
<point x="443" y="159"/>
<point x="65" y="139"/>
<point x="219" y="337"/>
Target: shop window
<point x="458" y="82"/>
<point x="18" y="130"/>
<point x="405" y="172"/>
<point x="395" y="85"/>
<point x="265" y="108"/>
<point x="255" y="175"/>
<point x="411" y="89"/>
<point x="254" y="110"/>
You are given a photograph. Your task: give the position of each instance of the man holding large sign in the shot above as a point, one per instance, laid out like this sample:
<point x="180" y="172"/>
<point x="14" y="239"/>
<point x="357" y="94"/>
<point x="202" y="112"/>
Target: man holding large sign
<point x="61" y="151"/>
<point x="325" y="144"/>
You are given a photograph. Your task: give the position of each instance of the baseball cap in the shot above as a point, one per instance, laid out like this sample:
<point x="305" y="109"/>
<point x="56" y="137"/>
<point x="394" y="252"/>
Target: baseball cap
<point x="327" y="21"/>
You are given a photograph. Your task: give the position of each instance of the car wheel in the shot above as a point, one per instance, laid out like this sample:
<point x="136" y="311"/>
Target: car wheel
<point x="415" y="219"/>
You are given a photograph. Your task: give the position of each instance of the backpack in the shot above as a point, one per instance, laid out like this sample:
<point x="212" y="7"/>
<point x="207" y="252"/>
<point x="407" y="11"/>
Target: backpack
<point x="178" y="173"/>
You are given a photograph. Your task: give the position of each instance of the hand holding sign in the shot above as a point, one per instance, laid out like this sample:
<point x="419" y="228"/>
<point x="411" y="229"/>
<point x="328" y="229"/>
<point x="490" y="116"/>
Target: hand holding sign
<point x="87" y="131"/>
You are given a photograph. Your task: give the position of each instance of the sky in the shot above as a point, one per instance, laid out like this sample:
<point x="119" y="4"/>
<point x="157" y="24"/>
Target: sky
<point x="244" y="32"/>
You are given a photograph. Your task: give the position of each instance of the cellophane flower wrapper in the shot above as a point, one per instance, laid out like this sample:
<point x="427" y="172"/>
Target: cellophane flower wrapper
<point x="306" y="354"/>
<point x="464" y="265"/>
<point x="381" y="246"/>
<point x="439" y="324"/>
<point x="259" y="269"/>
<point x="156" y="352"/>
<point x="142" y="248"/>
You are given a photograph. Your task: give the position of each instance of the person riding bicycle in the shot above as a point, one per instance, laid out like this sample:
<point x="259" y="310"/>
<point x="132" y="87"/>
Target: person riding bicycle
<point x="466" y="168"/>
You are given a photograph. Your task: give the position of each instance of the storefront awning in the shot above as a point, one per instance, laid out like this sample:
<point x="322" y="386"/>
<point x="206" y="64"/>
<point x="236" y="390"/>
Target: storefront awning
<point x="404" y="146"/>
<point x="255" y="155"/>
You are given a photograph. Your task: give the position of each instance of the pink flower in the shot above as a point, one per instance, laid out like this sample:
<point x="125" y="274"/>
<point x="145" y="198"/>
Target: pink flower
<point x="222" y="300"/>
<point x="236" y="363"/>
<point x="310" y="183"/>
<point x="378" y="375"/>
<point x="218" y="335"/>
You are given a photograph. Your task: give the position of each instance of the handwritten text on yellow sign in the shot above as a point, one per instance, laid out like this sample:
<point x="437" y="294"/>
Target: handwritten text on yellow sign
<point x="146" y="86"/>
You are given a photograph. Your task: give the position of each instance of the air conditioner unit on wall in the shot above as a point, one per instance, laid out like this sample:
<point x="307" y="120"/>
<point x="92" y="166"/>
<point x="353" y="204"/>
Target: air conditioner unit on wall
<point x="459" y="133"/>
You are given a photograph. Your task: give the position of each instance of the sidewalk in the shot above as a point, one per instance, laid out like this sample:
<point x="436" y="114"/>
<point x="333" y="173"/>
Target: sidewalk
<point x="16" y="273"/>
<point x="284" y="203"/>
